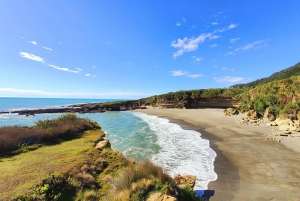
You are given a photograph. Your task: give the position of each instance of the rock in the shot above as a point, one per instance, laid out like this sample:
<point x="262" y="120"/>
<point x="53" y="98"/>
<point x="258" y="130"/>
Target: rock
<point x="266" y="113"/>
<point x="104" y="142"/>
<point x="279" y="122"/>
<point x="169" y="198"/>
<point x="273" y="124"/>
<point x="230" y="112"/>
<point x="284" y="127"/>
<point x="182" y="181"/>
<point x="271" y="117"/>
<point x="251" y="114"/>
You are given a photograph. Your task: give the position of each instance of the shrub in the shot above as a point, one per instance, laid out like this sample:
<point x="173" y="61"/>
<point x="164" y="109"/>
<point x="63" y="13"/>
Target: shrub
<point x="189" y="194"/>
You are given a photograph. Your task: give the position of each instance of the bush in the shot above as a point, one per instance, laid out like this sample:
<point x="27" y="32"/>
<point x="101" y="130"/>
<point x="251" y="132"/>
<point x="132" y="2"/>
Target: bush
<point x="189" y="194"/>
<point x="54" y="187"/>
<point x="67" y="126"/>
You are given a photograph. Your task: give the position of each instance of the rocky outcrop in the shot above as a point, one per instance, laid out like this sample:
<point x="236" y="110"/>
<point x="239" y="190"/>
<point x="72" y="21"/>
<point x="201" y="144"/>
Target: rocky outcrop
<point x="104" y="142"/>
<point x="182" y="181"/>
<point x="230" y="112"/>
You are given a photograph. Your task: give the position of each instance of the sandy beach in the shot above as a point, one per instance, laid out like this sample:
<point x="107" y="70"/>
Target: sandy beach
<point x="249" y="165"/>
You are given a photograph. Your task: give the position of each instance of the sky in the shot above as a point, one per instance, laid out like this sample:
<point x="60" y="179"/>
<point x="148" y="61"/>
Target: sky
<point x="139" y="48"/>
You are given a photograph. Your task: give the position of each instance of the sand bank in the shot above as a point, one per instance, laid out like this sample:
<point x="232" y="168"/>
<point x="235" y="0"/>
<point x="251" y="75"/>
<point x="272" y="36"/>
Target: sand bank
<point x="249" y="166"/>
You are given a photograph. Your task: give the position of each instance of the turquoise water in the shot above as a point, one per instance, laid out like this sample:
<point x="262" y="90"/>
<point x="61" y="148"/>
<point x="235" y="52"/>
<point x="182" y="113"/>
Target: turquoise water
<point x="135" y="134"/>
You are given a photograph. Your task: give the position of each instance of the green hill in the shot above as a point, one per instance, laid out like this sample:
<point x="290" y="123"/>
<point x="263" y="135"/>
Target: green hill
<point x="284" y="74"/>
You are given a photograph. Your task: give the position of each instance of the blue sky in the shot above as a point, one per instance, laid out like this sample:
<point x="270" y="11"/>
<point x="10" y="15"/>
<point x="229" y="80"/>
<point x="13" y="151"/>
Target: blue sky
<point x="139" y="48"/>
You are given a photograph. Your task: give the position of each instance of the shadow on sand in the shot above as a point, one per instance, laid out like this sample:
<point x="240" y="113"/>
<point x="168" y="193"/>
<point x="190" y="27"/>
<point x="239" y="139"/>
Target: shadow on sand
<point x="205" y="194"/>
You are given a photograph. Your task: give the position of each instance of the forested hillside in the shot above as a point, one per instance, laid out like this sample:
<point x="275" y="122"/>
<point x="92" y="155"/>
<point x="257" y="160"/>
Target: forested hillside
<point x="279" y="92"/>
<point x="284" y="74"/>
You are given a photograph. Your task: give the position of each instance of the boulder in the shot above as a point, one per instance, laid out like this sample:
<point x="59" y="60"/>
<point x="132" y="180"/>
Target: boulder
<point x="267" y="112"/>
<point x="182" y="181"/>
<point x="271" y="117"/>
<point x="230" y="112"/>
<point x="251" y="114"/>
<point x="104" y="142"/>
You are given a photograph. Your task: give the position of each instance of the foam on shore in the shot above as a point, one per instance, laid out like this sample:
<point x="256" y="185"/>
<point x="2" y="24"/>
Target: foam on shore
<point x="182" y="151"/>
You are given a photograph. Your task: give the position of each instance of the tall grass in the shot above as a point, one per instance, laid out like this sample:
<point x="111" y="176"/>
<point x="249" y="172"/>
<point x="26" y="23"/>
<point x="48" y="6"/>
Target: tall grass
<point x="67" y="126"/>
<point x="136" y="181"/>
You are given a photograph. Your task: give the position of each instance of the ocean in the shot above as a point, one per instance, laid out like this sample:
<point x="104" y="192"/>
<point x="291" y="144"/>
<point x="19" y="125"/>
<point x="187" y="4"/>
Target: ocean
<point x="136" y="135"/>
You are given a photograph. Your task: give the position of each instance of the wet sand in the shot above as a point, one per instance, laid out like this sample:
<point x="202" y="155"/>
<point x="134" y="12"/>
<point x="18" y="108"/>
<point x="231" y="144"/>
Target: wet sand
<point x="249" y="166"/>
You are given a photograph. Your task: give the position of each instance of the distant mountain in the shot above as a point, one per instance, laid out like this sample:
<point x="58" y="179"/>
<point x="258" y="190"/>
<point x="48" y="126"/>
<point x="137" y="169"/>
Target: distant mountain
<point x="284" y="74"/>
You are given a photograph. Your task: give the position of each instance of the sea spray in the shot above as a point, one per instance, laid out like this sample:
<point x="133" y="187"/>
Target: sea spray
<point x="182" y="151"/>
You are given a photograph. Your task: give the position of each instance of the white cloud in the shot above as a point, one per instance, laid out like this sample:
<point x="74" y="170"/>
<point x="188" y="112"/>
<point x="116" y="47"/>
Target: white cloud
<point x="32" y="57"/>
<point x="94" y="66"/>
<point x="178" y="24"/>
<point x="214" y="23"/>
<point x="192" y="44"/>
<point x="213" y="45"/>
<point x="32" y="42"/>
<point x="88" y="74"/>
<point x="197" y="59"/>
<point x="179" y="72"/>
<point x="189" y="44"/>
<point x="230" y="69"/>
<point x="185" y="73"/>
<point x="230" y="53"/>
<point x="48" y="48"/>
<point x="233" y="40"/>
<point x="183" y="19"/>
<point x="65" y="69"/>
<point x="232" y="26"/>
<point x="12" y="92"/>
<point x="194" y="75"/>
<point x="255" y="45"/>
<point x="229" y="79"/>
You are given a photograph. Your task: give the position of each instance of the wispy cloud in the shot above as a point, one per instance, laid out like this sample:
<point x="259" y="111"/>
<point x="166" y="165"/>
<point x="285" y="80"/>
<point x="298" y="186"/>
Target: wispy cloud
<point x="197" y="59"/>
<point x="192" y="44"/>
<point x="256" y="45"/>
<point x="65" y="69"/>
<point x="185" y="73"/>
<point x="229" y="79"/>
<point x="48" y="48"/>
<point x="194" y="75"/>
<point x="89" y="75"/>
<point x="39" y="59"/>
<point x="213" y="45"/>
<point x="32" y="57"/>
<point x="229" y="69"/>
<point x="179" y="72"/>
<point x="32" y="42"/>
<point x="233" y="40"/>
<point x="231" y="53"/>
<point x="214" y="23"/>
<point x="232" y="26"/>
<point x="178" y="24"/>
<point x="12" y="92"/>
<point x="94" y="66"/>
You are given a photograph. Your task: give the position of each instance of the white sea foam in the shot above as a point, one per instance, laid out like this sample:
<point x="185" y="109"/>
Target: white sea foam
<point x="182" y="151"/>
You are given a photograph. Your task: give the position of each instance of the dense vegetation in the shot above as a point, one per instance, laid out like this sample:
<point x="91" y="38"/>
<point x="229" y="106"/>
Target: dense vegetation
<point x="280" y="93"/>
<point x="284" y="74"/>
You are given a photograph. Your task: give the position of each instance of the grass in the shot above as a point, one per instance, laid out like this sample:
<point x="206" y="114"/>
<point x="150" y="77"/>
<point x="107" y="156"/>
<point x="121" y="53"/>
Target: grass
<point x="67" y="126"/>
<point x="19" y="173"/>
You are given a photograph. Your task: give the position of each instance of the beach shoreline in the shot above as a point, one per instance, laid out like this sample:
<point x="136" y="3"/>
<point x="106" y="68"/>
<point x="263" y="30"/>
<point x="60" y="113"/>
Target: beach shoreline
<point x="249" y="165"/>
